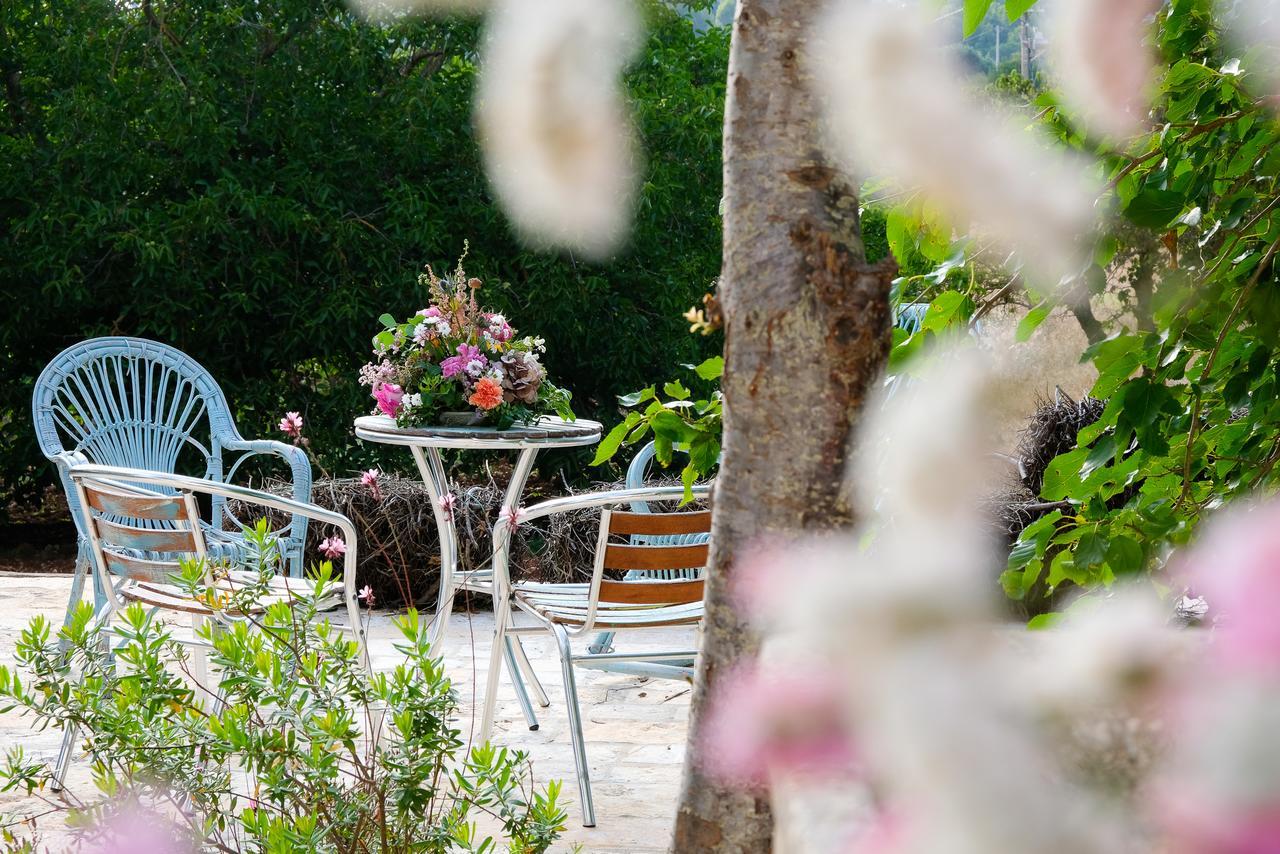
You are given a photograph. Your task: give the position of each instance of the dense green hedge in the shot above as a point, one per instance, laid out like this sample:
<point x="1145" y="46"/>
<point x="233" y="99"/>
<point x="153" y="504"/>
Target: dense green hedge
<point x="255" y="182"/>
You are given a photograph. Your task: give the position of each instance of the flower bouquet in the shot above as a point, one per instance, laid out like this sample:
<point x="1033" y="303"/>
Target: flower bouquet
<point x="453" y="363"/>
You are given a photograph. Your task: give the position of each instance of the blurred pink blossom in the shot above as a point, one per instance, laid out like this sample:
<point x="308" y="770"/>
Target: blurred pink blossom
<point x="388" y="396"/>
<point x="1103" y="67"/>
<point x="763" y="723"/>
<point x="291" y="425"/>
<point x="333" y="547"/>
<point x="366" y="595"/>
<point x="1236" y="567"/>
<point x="136" y="831"/>
<point x="1197" y="825"/>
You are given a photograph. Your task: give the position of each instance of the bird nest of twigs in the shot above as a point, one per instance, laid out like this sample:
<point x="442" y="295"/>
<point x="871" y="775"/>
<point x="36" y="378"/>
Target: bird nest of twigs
<point x="398" y="551"/>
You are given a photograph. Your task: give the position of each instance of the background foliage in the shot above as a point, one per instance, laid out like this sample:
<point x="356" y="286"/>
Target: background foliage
<point x="256" y="182"/>
<point x="1184" y="318"/>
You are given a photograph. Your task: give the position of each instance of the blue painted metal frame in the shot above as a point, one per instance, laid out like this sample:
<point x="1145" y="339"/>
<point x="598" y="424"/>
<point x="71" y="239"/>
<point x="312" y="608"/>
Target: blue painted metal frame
<point x="140" y="404"/>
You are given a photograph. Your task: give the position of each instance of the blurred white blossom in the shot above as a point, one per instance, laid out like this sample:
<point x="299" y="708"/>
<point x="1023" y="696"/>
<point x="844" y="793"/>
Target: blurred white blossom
<point x="1119" y="651"/>
<point x="1104" y="69"/>
<point x="384" y="10"/>
<point x="1253" y="29"/>
<point x="557" y="139"/>
<point x="897" y="107"/>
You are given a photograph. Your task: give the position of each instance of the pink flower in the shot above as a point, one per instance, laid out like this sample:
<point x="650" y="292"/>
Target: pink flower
<point x="370" y="480"/>
<point x="762" y="724"/>
<point x="1236" y="567"/>
<point x="430" y="311"/>
<point x="447" y="503"/>
<point x="511" y="518"/>
<point x="291" y="425"/>
<point x="366" y="595"/>
<point x="388" y="396"/>
<point x="467" y="356"/>
<point x="333" y="547"/>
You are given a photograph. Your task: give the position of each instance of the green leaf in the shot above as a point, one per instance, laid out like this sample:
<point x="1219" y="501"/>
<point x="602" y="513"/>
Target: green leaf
<point x="610" y="444"/>
<point x="637" y="397"/>
<point x="1124" y="555"/>
<point x="1040" y="622"/>
<point x="1015" y="9"/>
<point x="711" y="369"/>
<point x="1031" y="322"/>
<point x="1099" y="455"/>
<point x="1154" y="208"/>
<point x="947" y="308"/>
<point x="1091" y="550"/>
<point x="974" y="12"/>
<point x="388" y="321"/>
<point x="676" y="390"/>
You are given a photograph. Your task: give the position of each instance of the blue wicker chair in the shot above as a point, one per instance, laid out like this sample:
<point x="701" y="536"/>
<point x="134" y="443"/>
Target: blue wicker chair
<point x="139" y="404"/>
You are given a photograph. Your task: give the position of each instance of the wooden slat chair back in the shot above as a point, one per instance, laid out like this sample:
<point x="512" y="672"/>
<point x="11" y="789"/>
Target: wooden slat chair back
<point x="140" y="535"/>
<point x="659" y="559"/>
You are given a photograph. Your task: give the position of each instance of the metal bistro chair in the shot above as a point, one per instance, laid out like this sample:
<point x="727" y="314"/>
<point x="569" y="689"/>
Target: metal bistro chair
<point x="572" y="611"/>
<point x="130" y="512"/>
<point x="637" y="475"/>
<point x="144" y="405"/>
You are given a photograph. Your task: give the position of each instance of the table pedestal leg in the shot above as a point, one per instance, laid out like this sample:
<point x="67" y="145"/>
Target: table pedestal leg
<point x="431" y="468"/>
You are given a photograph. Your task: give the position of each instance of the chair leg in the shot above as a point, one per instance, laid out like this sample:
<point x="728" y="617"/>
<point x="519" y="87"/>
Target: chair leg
<point x="575" y="726"/>
<point x="539" y="692"/>
<point x="77" y="591"/>
<point x="602" y="644"/>
<point x="517" y="682"/>
<point x="64" y="756"/>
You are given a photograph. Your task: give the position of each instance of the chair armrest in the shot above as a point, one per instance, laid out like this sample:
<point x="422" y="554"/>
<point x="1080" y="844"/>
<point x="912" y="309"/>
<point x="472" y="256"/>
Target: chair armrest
<point x="609" y="498"/>
<point x="299" y="463"/>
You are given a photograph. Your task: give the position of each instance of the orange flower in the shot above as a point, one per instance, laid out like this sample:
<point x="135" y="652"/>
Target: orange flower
<point x="488" y="394"/>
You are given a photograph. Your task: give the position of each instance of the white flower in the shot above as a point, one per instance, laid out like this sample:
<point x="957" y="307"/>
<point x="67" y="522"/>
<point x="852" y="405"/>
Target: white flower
<point x="477" y="367"/>
<point x="420" y="333"/>
<point x="557" y="138"/>
<point x="891" y="87"/>
<point x="411" y="401"/>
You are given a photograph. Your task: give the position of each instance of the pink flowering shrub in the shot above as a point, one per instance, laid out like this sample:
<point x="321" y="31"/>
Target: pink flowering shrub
<point x="454" y="356"/>
<point x="765" y="723"/>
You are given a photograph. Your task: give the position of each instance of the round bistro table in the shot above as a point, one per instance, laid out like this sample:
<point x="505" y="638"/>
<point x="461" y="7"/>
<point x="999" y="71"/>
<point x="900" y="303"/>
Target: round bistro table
<point x="425" y="443"/>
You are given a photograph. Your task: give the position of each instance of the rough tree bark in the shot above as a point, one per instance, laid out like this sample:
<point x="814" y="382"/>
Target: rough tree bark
<point x="806" y="332"/>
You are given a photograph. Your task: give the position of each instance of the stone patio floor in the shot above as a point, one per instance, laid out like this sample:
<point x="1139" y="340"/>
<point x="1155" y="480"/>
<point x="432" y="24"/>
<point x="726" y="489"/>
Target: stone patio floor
<point x="635" y="727"/>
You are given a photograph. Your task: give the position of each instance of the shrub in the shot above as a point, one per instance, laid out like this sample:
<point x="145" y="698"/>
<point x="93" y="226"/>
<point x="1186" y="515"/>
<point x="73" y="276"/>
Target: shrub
<point x="255" y="183"/>
<point x="283" y="758"/>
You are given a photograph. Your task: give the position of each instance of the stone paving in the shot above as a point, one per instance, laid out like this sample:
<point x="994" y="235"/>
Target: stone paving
<point x="635" y="727"/>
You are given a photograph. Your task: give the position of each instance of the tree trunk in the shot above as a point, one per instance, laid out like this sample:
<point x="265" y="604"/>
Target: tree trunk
<point x="806" y="334"/>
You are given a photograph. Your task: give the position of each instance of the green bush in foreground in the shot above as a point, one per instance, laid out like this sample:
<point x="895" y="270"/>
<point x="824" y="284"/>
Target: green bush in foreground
<point x="285" y="761"/>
